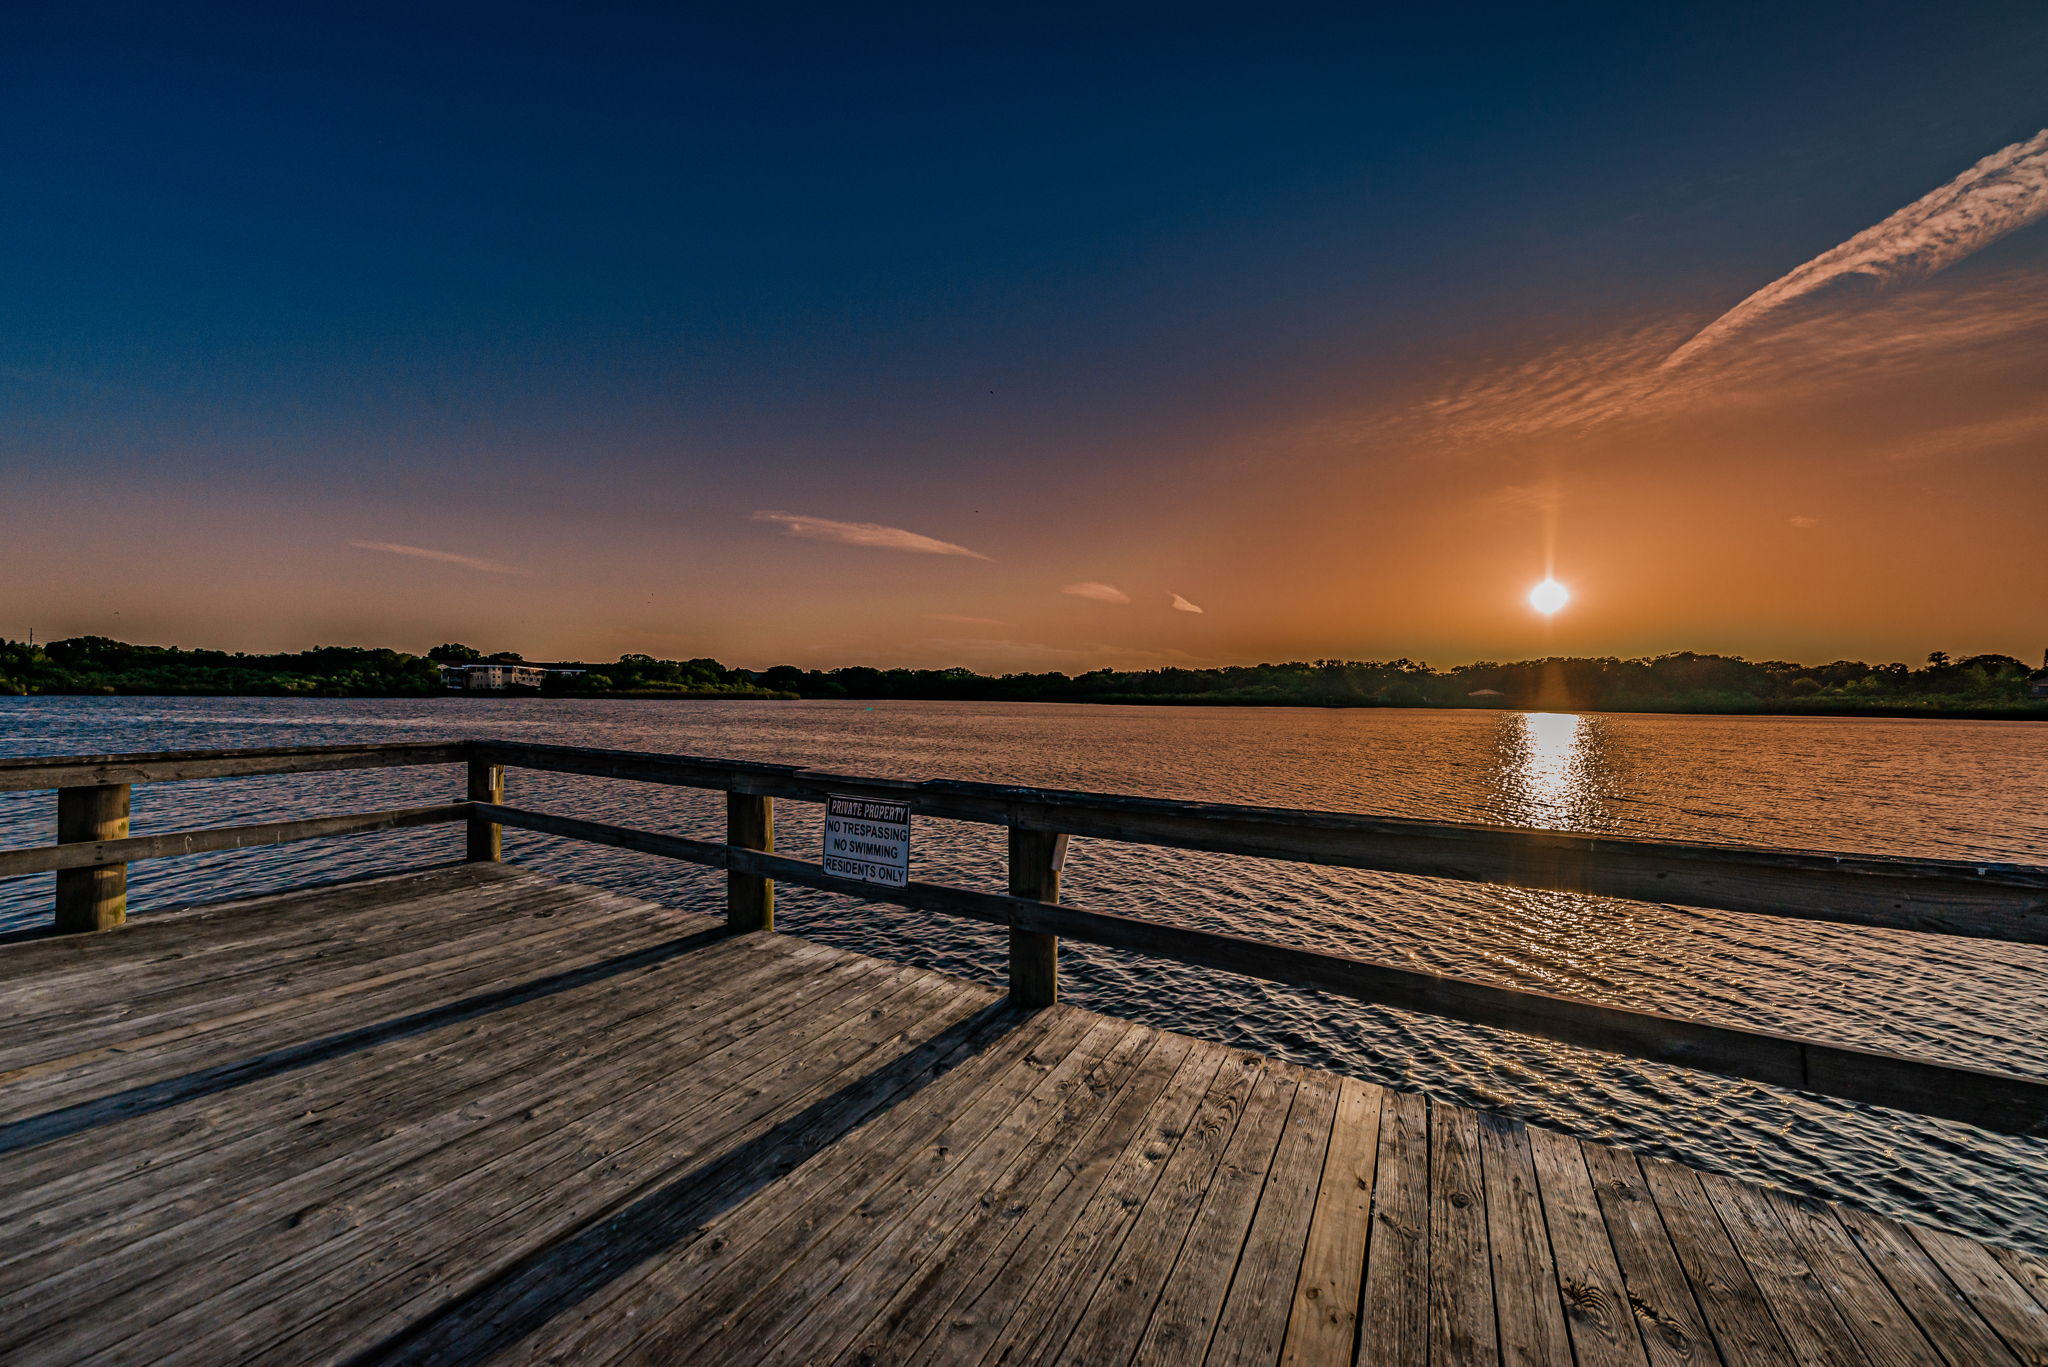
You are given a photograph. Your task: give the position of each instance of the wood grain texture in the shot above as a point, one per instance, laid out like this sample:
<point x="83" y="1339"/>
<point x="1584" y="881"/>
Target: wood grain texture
<point x="1323" y="1324"/>
<point x="749" y="898"/>
<point x="87" y="854"/>
<point x="1955" y="1091"/>
<point x="486" y="839"/>
<point x="96" y="898"/>
<point x="1527" y="1308"/>
<point x="2001" y="901"/>
<point x="471" y="1115"/>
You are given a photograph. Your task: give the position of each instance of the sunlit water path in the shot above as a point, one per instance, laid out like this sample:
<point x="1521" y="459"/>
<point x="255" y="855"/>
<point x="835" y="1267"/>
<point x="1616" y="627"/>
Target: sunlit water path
<point x="1940" y="789"/>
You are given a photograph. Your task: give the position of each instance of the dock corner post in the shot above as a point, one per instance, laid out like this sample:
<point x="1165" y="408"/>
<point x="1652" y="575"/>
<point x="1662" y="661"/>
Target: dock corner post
<point x="749" y="898"/>
<point x="95" y="898"/>
<point x="1036" y="858"/>
<point x="486" y="838"/>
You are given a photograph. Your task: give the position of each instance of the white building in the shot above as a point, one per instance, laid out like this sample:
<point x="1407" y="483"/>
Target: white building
<point x="489" y="676"/>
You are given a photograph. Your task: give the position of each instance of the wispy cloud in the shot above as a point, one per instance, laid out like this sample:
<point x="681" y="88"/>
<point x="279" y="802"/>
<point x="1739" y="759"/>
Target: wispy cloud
<point x="1861" y="345"/>
<point x="1181" y="604"/>
<point x="468" y="562"/>
<point x="1969" y="440"/>
<point x="871" y="534"/>
<point x="1804" y="522"/>
<point x="2000" y="194"/>
<point x="1101" y="593"/>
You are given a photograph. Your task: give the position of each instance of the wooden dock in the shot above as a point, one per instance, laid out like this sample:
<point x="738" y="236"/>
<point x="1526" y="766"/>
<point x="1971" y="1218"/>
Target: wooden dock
<point x="469" y="1115"/>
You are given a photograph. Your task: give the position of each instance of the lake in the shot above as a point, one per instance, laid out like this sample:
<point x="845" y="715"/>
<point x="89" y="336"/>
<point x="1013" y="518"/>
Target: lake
<point x="1945" y="789"/>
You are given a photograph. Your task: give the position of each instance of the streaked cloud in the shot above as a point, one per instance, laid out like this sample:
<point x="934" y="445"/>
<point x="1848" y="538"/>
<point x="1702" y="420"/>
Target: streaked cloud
<point x="2024" y="429"/>
<point x="870" y="534"/>
<point x="1181" y="604"/>
<point x="1866" y="344"/>
<point x="2000" y="194"/>
<point x="1804" y="522"/>
<point x="1101" y="593"/>
<point x="468" y="562"/>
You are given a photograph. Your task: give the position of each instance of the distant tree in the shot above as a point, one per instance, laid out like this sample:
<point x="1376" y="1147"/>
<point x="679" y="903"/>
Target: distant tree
<point x="1937" y="659"/>
<point x="455" y="654"/>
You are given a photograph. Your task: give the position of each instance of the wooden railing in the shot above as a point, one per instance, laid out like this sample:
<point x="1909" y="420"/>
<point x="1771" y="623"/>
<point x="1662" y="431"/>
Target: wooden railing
<point x="1994" y="901"/>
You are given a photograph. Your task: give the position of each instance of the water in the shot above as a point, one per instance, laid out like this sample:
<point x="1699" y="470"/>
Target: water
<point x="1949" y="789"/>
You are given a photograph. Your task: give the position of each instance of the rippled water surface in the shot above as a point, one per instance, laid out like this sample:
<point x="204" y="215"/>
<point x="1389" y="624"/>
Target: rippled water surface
<point x="1974" y="790"/>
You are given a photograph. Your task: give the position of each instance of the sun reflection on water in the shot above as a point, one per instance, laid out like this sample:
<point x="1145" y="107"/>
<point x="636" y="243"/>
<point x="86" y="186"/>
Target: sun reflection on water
<point x="1550" y="775"/>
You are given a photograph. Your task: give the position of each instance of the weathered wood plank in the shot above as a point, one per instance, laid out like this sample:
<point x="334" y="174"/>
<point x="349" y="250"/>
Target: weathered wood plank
<point x="897" y="1251"/>
<point x="91" y="899"/>
<point x="1675" y="1332"/>
<point x="2028" y="1270"/>
<point x="1744" y="1329"/>
<point x="203" y="1160"/>
<point x="1017" y="1231"/>
<point x="1035" y="861"/>
<point x="1191" y="1291"/>
<point x="1953" y="1091"/>
<point x="331" y="1279"/>
<point x="1943" y="1313"/>
<point x="758" y="1150"/>
<point x="1596" y="1306"/>
<point x="1393" y="1317"/>
<point x="1806" y="1314"/>
<point x="139" y="963"/>
<point x="363" y="1180"/>
<point x="279" y="1017"/>
<point x="749" y="898"/>
<point x="87" y="854"/>
<point x="1955" y="897"/>
<point x="1259" y="1308"/>
<point x="930" y="1278"/>
<point x="1461" y="1311"/>
<point x="1528" y="1312"/>
<point x="485" y="843"/>
<point x="1322" y="1325"/>
<point x="363" y="948"/>
<point x="173" y="766"/>
<point x="1991" y="1290"/>
<point x="1029" y="1289"/>
<point x="166" y="935"/>
<point x="1888" y="1335"/>
<point x="622" y="1253"/>
<point x="637" y="1144"/>
<point x="1101" y="1316"/>
<point x="810" y="1260"/>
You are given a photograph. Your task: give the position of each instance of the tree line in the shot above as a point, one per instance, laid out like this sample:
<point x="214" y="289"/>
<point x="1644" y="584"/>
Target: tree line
<point x="1979" y="685"/>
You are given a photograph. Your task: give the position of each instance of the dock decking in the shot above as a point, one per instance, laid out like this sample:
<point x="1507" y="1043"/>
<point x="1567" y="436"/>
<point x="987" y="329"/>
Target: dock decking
<point x="471" y="1115"/>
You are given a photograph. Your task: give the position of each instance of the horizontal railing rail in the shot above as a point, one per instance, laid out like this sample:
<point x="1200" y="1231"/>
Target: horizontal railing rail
<point x="1953" y="897"/>
<point x="138" y="848"/>
<point x="1976" y="1096"/>
<point x="2002" y="901"/>
<point x="177" y="766"/>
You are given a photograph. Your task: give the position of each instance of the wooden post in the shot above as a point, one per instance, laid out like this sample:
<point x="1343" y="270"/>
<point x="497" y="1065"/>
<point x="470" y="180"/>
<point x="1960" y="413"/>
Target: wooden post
<point x="92" y="899"/>
<point x="750" y="824"/>
<point x="1036" y="858"/>
<point x="486" y="838"/>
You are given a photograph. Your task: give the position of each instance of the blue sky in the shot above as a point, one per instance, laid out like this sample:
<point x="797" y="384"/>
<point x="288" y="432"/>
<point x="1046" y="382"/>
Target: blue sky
<point x="582" y="290"/>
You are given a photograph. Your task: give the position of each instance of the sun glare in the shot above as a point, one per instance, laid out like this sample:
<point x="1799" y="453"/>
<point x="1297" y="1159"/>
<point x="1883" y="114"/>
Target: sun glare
<point x="1548" y="596"/>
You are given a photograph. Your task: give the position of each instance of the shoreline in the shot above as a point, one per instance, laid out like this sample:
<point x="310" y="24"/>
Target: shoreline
<point x="1876" y="711"/>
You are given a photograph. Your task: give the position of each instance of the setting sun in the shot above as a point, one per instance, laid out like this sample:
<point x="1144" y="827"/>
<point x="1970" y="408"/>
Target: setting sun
<point x="1548" y="596"/>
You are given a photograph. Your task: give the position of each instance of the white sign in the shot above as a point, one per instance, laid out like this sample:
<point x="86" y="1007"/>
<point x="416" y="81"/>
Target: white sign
<point x="868" y="840"/>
